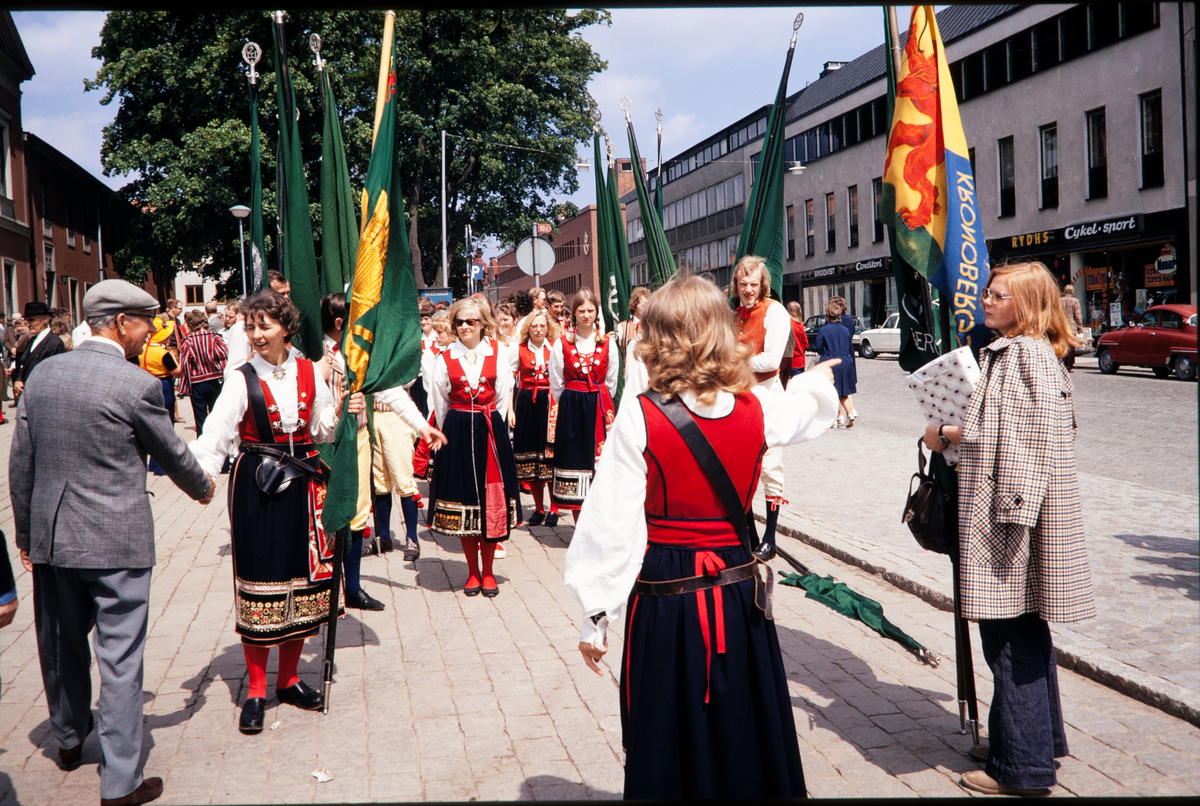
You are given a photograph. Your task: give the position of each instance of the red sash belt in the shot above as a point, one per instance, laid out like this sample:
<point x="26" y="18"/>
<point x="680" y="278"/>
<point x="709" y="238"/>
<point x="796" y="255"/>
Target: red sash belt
<point x="605" y="412"/>
<point x="684" y="533"/>
<point x="709" y="564"/>
<point x="495" y="502"/>
<point x="540" y="386"/>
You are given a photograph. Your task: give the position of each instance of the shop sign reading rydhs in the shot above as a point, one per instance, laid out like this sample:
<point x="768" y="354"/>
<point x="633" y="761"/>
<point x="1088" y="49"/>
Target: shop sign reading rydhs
<point x="1078" y="232"/>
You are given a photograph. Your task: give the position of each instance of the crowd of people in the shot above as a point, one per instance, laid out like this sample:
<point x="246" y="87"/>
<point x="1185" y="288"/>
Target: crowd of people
<point x="654" y="433"/>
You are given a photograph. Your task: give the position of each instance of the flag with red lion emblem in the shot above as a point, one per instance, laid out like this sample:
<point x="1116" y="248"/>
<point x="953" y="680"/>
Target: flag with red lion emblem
<point x="928" y="182"/>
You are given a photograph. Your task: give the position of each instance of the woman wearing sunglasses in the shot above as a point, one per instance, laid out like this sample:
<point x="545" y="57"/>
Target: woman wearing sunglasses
<point x="474" y="490"/>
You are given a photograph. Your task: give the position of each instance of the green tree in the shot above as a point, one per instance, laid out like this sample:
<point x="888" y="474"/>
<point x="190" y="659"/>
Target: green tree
<point x="493" y="79"/>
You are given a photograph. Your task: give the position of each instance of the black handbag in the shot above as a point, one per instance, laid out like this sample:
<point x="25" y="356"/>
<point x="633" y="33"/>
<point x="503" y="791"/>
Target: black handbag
<point x="278" y="466"/>
<point x="930" y="512"/>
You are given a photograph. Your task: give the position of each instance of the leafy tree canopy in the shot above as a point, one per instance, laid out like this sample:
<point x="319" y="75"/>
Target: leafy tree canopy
<point x="509" y="86"/>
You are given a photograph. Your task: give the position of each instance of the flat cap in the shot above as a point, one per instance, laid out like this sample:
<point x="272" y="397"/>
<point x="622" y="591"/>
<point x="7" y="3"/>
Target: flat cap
<point x="111" y="297"/>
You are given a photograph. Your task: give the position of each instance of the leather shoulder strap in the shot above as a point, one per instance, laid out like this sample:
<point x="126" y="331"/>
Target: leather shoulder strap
<point x="709" y="462"/>
<point x="258" y="404"/>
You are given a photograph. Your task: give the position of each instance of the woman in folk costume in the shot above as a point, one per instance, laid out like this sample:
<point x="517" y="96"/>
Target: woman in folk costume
<point x="279" y="406"/>
<point x="533" y="410"/>
<point x="442" y="339"/>
<point x="705" y="706"/>
<point x="583" y="379"/>
<point x="474" y="493"/>
<point x="1022" y="556"/>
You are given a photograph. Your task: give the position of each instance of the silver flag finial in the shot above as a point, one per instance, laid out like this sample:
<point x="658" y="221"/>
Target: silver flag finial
<point x="796" y="27"/>
<point x="658" y="115"/>
<point x="595" y="115"/>
<point x="624" y="104"/>
<point x="314" y="44"/>
<point x="251" y="53"/>
<point x="611" y="150"/>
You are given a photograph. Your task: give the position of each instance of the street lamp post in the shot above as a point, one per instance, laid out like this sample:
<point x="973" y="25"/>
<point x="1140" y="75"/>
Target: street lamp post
<point x="240" y="211"/>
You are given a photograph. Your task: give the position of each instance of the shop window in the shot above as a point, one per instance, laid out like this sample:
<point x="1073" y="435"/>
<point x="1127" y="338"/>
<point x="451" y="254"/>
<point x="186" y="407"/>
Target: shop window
<point x="852" y="213"/>
<point x="830" y="228"/>
<point x="1152" y="139"/>
<point x="1008" y="192"/>
<point x="876" y="205"/>
<point x="809" y="229"/>
<point x="1048" y="136"/>
<point x="791" y="233"/>
<point x="1097" y="154"/>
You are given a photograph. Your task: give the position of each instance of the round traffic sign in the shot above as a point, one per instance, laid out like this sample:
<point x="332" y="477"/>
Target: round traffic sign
<point x="545" y="256"/>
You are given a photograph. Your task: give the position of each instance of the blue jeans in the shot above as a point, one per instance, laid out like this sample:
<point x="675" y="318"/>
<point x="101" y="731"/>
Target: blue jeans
<point x="168" y="390"/>
<point x="1025" y="724"/>
<point x="204" y="396"/>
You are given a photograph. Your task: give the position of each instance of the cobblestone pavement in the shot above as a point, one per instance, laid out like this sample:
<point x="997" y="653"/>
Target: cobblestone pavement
<point x="440" y="697"/>
<point x="1137" y="456"/>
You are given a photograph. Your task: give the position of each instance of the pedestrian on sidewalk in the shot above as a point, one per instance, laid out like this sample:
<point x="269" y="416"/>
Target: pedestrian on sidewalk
<point x="77" y="472"/>
<point x="40" y="343"/>
<point x="705" y="707"/>
<point x="849" y="367"/>
<point x="1074" y="315"/>
<point x="799" y="338"/>
<point x="1022" y="553"/>
<point x="474" y="493"/>
<point x="202" y="359"/>
<point x="583" y="379"/>
<point x="279" y="407"/>
<point x="833" y="341"/>
<point x="532" y="451"/>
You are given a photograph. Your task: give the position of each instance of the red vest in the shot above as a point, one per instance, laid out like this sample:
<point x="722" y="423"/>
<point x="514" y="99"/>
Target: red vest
<point x="754" y="332"/>
<point x="681" y="506"/>
<point x="462" y="396"/>
<point x="587" y="371"/>
<point x="529" y="374"/>
<point x="306" y="393"/>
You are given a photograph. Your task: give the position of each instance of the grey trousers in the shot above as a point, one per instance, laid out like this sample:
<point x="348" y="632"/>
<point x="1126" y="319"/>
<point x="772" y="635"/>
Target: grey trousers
<point x="67" y="604"/>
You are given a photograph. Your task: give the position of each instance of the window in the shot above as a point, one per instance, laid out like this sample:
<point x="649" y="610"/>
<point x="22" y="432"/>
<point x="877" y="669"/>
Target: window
<point x="1104" y="24"/>
<point x="1008" y="193"/>
<point x="47" y="227"/>
<point x="1152" y="139"/>
<point x="49" y="253"/>
<point x="10" y="275"/>
<point x="70" y="225"/>
<point x="1020" y="55"/>
<point x="6" y="205"/>
<point x="852" y="213"/>
<point x="1073" y="32"/>
<point x="712" y="199"/>
<point x="1138" y="17"/>
<point x="739" y="186"/>
<point x="74" y="285"/>
<point x="1171" y="320"/>
<point x="791" y="233"/>
<point x="830" y="230"/>
<point x="702" y="202"/>
<point x="810" y="145"/>
<point x="1097" y="154"/>
<point x="823" y="140"/>
<point x="1045" y="45"/>
<point x="995" y="67"/>
<point x="1048" y="136"/>
<point x="731" y="248"/>
<point x="876" y="208"/>
<point x="809" y="231"/>
<point x="721" y="196"/>
<point x="972" y="75"/>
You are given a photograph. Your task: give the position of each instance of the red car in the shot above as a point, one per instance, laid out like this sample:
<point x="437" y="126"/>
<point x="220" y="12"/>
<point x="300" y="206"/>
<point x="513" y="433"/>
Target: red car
<point x="1163" y="339"/>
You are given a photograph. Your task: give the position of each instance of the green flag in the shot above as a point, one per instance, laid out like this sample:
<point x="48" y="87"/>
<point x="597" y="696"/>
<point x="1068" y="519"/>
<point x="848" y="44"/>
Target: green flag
<point x="614" y="288"/>
<point x="918" y="337"/>
<point x="659" y="260"/>
<point x="762" y="231"/>
<point x="620" y="246"/>
<point x="258" y="273"/>
<point x="296" y="239"/>
<point x="382" y="337"/>
<point x="339" y="226"/>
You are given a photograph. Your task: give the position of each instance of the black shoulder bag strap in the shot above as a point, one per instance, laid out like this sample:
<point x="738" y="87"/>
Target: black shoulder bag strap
<point x="709" y="462"/>
<point x="258" y="404"/>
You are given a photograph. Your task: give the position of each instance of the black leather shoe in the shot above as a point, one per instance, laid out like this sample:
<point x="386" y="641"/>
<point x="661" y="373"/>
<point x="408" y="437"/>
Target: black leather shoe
<point x="369" y="548"/>
<point x="412" y="551"/>
<point x="491" y="593"/>
<point x="386" y="546"/>
<point x="552" y="519"/>
<point x="71" y="757"/>
<point x="150" y="789"/>
<point x="473" y="590"/>
<point x="536" y="519"/>
<point x="301" y="695"/>
<point x="253" y="713"/>
<point x="361" y="600"/>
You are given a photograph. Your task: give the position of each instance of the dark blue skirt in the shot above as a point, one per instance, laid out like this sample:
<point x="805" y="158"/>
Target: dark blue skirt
<point x="742" y="743"/>
<point x="529" y="436"/>
<point x="574" y="447"/>
<point x="456" y="484"/>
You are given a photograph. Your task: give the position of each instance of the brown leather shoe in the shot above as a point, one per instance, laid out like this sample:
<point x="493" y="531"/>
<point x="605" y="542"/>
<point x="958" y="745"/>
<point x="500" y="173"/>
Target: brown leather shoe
<point x="150" y="789"/>
<point x="69" y="758"/>
<point x="980" y="781"/>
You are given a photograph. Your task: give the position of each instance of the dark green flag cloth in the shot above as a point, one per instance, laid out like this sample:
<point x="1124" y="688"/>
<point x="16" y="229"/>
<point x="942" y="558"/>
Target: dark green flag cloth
<point x="837" y="596"/>
<point x="762" y="230"/>
<point x="299" y="253"/>
<point x="339" y="225"/>
<point x="614" y="295"/>
<point x="919" y="342"/>
<point x="659" y="260"/>
<point x="257" y="267"/>
<point x="382" y="338"/>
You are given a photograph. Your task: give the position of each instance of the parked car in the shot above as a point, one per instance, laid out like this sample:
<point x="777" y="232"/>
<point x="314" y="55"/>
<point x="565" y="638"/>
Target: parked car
<point x="1163" y="338"/>
<point x="814" y="323"/>
<point x="882" y="339"/>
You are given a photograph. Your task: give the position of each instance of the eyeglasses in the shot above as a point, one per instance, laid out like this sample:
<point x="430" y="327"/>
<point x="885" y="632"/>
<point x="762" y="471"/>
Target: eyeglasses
<point x="467" y="322"/>
<point x="989" y="294"/>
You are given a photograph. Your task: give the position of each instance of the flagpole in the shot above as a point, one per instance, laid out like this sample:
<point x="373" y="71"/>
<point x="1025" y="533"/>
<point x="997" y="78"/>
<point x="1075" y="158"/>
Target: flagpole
<point x="389" y="28"/>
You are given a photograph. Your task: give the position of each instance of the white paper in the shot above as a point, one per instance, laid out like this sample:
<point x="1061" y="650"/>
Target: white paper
<point x="943" y="388"/>
<point x="322" y="776"/>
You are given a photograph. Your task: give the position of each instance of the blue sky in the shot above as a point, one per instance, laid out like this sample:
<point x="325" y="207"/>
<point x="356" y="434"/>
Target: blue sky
<point x="704" y="67"/>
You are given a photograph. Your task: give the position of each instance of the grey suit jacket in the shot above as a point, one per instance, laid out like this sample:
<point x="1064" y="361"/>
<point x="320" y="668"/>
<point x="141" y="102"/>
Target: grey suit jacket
<point x="77" y="466"/>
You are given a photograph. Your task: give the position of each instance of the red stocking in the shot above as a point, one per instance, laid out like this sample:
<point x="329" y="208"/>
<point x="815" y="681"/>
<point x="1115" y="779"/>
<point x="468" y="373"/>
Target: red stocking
<point x="470" y="547"/>
<point x="536" y="487"/>
<point x="488" y="550"/>
<point x="289" y="660"/>
<point x="256" y="662"/>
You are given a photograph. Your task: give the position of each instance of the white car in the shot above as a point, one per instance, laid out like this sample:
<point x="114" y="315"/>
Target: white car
<point x="882" y="339"/>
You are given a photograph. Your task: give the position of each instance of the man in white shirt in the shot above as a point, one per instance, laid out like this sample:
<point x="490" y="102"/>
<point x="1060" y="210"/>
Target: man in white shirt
<point x="235" y="338"/>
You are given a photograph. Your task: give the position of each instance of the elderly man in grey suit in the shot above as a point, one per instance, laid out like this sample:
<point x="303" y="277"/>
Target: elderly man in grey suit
<point x="77" y="473"/>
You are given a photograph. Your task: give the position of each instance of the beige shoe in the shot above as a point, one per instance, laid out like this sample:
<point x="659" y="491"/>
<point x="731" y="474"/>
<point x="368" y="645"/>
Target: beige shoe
<point x="980" y="781"/>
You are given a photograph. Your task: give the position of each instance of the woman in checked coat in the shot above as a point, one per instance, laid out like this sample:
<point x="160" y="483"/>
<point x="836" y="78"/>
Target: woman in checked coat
<point x="1022" y="554"/>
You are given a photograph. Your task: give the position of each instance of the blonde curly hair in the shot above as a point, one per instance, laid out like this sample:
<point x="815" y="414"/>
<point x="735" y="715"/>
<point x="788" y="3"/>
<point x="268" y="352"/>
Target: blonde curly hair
<point x="690" y="341"/>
